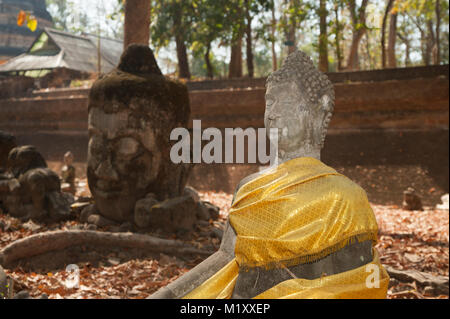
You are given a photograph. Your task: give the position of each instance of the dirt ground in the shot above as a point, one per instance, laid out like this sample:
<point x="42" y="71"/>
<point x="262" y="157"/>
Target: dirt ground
<point x="408" y="240"/>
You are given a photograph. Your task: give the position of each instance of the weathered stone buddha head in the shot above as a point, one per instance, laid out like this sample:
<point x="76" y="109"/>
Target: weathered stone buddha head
<point x="299" y="103"/>
<point x="132" y="111"/>
<point x="21" y="159"/>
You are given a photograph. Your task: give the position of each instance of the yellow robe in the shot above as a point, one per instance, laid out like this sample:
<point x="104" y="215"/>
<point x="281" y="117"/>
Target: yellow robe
<point x="299" y="212"/>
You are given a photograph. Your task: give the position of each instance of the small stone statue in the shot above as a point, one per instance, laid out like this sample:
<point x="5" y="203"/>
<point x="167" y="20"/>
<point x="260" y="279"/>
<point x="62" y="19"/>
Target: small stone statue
<point x="411" y="201"/>
<point x="68" y="173"/>
<point x="297" y="223"/>
<point x="132" y="111"/>
<point x="31" y="190"/>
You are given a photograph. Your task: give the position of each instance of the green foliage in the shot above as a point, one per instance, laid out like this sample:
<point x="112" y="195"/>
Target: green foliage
<point x="206" y="26"/>
<point x="170" y="18"/>
<point x="295" y="12"/>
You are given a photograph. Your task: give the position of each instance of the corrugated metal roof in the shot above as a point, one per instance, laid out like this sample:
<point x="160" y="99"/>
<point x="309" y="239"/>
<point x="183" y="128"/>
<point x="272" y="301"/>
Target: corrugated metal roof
<point x="76" y="53"/>
<point x="33" y="62"/>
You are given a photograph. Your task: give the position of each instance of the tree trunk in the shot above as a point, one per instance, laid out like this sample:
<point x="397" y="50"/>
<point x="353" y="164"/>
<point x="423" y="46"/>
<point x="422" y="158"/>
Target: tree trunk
<point x="430" y="40"/>
<point x="407" y="54"/>
<point x="358" y="18"/>
<point x="370" y="62"/>
<point x="183" y="62"/>
<point x="274" y="54"/>
<point x="353" y="58"/>
<point x="137" y="22"/>
<point x="209" y="68"/>
<point x="407" y="44"/>
<point x="291" y="38"/>
<point x="42" y="243"/>
<point x="383" y="33"/>
<point x="235" y="67"/>
<point x="323" y="38"/>
<point x="338" y="37"/>
<point x="392" y="63"/>
<point x="248" y="31"/>
<point x="437" y="46"/>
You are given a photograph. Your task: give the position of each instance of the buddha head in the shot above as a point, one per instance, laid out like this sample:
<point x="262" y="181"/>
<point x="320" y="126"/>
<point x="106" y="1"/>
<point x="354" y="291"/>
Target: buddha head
<point x="299" y="103"/>
<point x="132" y="111"/>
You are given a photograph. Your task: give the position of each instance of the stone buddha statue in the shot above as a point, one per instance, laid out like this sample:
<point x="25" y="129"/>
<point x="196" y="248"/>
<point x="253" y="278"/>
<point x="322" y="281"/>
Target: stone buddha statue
<point x="132" y="111"/>
<point x="299" y="229"/>
<point x="30" y="190"/>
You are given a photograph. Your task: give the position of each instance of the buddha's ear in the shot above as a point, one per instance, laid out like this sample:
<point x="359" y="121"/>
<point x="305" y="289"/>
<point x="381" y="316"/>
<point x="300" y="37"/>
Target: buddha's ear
<point x="326" y="103"/>
<point x="327" y="106"/>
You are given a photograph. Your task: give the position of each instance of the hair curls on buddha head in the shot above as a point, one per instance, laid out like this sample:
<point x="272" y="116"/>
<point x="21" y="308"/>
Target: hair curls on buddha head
<point x="313" y="84"/>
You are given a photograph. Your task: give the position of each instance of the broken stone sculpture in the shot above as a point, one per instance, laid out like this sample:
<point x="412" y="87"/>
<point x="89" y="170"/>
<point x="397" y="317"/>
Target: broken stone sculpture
<point x="132" y="111"/>
<point x="68" y="174"/>
<point x="445" y="201"/>
<point x="30" y="189"/>
<point x="299" y="103"/>
<point x="411" y="201"/>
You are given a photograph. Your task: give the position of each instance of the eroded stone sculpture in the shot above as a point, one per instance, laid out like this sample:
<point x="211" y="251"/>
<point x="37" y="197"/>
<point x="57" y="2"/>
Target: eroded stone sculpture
<point x="30" y="189"/>
<point x="132" y="111"/>
<point x="299" y="103"/>
<point x="411" y="201"/>
<point x="68" y="173"/>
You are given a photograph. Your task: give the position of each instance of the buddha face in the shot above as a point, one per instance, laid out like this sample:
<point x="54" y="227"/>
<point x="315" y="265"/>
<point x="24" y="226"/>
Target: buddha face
<point x="299" y="123"/>
<point x="121" y="163"/>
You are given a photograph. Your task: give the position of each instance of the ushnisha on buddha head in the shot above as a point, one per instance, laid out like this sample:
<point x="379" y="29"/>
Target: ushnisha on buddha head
<point x="299" y="103"/>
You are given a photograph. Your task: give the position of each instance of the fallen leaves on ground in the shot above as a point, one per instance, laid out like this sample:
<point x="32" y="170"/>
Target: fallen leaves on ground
<point x="417" y="240"/>
<point x="413" y="240"/>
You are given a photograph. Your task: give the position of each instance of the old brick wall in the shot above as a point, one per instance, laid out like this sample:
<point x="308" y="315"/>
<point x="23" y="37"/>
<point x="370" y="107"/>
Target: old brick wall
<point x="385" y="134"/>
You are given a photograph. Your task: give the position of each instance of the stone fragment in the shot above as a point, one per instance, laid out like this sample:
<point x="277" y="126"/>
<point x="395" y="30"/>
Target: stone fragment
<point x="188" y="190"/>
<point x="142" y="211"/>
<point x="202" y="212"/>
<point x="91" y="227"/>
<point x="100" y="221"/>
<point x="86" y="212"/>
<point x="113" y="261"/>
<point x="445" y="202"/>
<point x="411" y="201"/>
<point x="175" y="214"/>
<point x="31" y="226"/>
<point x="31" y="190"/>
<point x="22" y="295"/>
<point x="21" y="159"/>
<point x="212" y="210"/>
<point x="126" y="227"/>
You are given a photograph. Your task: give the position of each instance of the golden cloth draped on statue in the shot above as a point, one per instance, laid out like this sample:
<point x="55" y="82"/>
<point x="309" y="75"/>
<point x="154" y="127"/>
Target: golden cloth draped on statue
<point x="295" y="213"/>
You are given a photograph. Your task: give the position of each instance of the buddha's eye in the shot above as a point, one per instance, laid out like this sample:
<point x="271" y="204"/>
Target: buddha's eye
<point x="126" y="146"/>
<point x="269" y="100"/>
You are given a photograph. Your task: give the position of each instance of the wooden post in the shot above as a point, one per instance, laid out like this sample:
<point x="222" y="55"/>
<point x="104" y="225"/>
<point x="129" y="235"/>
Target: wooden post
<point x="137" y="22"/>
